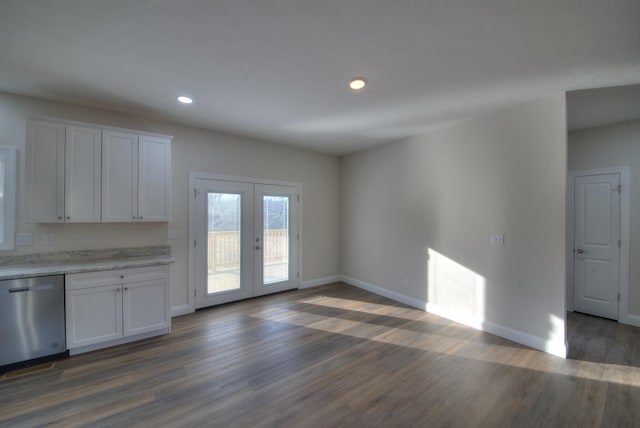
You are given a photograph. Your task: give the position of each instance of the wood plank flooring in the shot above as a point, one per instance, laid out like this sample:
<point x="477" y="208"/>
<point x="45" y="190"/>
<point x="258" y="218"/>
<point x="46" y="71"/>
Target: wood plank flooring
<point x="334" y="356"/>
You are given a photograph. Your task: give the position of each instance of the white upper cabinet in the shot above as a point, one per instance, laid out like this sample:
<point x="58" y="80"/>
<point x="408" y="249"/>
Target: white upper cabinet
<point x="136" y="174"/>
<point x="44" y="202"/>
<point x="85" y="174"/>
<point x="155" y="179"/>
<point x="119" y="176"/>
<point x="82" y="178"/>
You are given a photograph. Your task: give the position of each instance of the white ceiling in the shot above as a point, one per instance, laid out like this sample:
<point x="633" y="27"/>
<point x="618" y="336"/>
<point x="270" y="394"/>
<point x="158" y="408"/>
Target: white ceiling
<point x="277" y="70"/>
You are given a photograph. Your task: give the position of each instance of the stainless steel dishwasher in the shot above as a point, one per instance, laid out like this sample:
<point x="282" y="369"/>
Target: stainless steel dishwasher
<point x="31" y="318"/>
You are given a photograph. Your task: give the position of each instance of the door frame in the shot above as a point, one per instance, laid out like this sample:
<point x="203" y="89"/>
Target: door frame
<point x="623" y="304"/>
<point x="193" y="176"/>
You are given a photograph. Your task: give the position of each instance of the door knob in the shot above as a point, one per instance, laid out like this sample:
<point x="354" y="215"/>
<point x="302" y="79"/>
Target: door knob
<point x="258" y="247"/>
<point x="580" y="251"/>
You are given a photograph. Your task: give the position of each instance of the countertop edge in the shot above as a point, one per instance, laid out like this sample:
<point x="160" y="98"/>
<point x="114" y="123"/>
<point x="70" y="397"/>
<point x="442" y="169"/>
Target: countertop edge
<point x="27" y="271"/>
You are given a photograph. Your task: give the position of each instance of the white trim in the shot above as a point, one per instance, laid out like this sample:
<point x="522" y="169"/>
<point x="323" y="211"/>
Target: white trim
<point x="119" y="341"/>
<point x="558" y="348"/>
<point x="623" y="306"/>
<point x="176" y="311"/>
<point x="415" y="303"/>
<point x="96" y="125"/>
<point x="193" y="176"/>
<point x="319" y="281"/>
<point x="633" y="320"/>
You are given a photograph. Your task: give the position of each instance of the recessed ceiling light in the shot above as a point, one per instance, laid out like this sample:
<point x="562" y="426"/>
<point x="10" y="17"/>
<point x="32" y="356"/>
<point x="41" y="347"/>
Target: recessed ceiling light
<point x="357" y="83"/>
<point x="185" y="100"/>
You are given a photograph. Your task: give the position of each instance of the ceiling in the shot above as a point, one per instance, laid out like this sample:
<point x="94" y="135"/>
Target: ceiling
<point x="277" y="70"/>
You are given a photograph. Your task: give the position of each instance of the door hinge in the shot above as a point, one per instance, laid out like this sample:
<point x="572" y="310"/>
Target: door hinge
<point x="617" y="188"/>
<point x="618" y="297"/>
<point x="298" y="198"/>
<point x="194" y="242"/>
<point x="619" y="243"/>
<point x="195" y="192"/>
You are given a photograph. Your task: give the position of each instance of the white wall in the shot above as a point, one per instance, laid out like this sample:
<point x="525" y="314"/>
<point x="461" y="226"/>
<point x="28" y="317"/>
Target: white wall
<point x="613" y="146"/>
<point x="417" y="216"/>
<point x="192" y="150"/>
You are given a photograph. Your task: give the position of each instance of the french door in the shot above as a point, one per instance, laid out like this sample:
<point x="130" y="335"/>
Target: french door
<point x="246" y="240"/>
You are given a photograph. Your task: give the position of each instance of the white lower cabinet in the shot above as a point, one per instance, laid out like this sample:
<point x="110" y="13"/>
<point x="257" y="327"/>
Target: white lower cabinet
<point x="117" y="306"/>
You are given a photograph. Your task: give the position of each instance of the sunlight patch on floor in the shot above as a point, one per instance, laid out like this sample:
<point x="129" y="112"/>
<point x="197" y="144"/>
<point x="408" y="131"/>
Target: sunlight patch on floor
<point x="475" y="349"/>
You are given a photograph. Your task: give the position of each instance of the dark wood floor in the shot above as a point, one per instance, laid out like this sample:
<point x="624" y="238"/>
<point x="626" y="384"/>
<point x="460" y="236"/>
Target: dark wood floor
<point x="334" y="356"/>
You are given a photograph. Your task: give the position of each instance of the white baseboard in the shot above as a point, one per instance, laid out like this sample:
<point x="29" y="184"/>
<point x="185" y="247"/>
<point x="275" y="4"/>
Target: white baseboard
<point x="120" y="341"/>
<point x="320" y="281"/>
<point x="176" y="311"/>
<point x="415" y="303"/>
<point x="631" y="320"/>
<point x="558" y="348"/>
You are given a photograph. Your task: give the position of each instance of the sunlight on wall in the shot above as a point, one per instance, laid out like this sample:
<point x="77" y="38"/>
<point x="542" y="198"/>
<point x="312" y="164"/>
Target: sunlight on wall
<point x="455" y="287"/>
<point x="557" y="335"/>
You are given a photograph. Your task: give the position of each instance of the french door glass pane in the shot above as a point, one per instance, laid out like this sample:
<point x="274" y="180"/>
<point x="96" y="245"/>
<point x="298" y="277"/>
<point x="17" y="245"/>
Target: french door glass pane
<point x="224" y="218"/>
<point x="275" y="215"/>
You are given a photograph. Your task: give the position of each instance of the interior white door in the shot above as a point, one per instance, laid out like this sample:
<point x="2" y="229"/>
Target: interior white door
<point x="247" y="240"/>
<point x="597" y="244"/>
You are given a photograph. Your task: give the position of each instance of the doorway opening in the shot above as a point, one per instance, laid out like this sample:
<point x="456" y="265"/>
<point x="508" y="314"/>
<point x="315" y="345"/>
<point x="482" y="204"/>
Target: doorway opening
<point x="598" y="242"/>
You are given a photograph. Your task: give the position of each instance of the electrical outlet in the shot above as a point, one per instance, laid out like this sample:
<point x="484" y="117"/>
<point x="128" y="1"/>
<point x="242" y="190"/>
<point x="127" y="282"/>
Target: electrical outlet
<point x="24" y="239"/>
<point x="173" y="235"/>
<point x="497" y="239"/>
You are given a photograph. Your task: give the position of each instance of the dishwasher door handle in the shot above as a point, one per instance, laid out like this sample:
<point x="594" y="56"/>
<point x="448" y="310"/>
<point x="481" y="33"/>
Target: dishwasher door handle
<point x="18" y="290"/>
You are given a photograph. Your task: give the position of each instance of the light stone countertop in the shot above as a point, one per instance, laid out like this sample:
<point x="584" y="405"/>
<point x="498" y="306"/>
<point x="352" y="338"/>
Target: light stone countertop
<point x="30" y="270"/>
<point x="78" y="261"/>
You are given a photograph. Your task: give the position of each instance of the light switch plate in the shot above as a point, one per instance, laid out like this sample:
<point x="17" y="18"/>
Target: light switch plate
<point x="173" y="235"/>
<point x="497" y="239"/>
<point x="24" y="239"/>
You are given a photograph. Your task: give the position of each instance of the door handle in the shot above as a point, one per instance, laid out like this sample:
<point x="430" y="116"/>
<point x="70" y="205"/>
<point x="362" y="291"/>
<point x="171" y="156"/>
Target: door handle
<point x="258" y="247"/>
<point x="580" y="251"/>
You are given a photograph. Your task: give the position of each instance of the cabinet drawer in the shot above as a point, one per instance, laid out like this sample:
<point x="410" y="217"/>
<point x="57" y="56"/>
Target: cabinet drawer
<point x="116" y="276"/>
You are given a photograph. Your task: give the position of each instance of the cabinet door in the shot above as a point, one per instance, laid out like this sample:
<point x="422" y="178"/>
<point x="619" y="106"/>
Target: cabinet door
<point x="45" y="172"/>
<point x="119" y="176"/>
<point x="146" y="306"/>
<point x="93" y="315"/>
<point x="82" y="174"/>
<point x="154" y="179"/>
